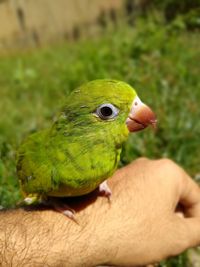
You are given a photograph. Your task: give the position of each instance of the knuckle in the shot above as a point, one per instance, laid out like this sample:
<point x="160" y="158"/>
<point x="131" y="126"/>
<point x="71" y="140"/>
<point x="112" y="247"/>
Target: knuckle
<point x="166" y="162"/>
<point x="168" y="165"/>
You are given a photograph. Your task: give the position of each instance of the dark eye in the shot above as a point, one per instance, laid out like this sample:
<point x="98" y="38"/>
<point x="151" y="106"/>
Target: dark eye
<point x="107" y="111"/>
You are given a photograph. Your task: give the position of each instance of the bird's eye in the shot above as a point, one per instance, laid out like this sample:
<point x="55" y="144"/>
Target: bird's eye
<point x="107" y="111"/>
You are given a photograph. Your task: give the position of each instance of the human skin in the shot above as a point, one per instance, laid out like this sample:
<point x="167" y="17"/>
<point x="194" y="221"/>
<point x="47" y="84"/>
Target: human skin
<point x="141" y="225"/>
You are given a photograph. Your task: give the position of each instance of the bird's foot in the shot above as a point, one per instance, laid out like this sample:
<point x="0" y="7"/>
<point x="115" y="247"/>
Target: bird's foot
<point x="61" y="207"/>
<point x="55" y="203"/>
<point x="32" y="199"/>
<point x="105" y="190"/>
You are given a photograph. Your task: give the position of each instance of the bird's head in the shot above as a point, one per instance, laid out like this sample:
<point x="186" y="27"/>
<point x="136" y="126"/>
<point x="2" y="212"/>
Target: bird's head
<point x="105" y="108"/>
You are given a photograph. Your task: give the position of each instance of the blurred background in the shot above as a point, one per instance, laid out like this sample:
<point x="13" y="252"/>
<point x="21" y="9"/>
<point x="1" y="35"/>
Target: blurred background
<point x="48" y="48"/>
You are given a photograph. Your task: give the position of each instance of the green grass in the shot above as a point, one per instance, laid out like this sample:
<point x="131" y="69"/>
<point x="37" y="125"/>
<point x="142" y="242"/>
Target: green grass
<point x="162" y="63"/>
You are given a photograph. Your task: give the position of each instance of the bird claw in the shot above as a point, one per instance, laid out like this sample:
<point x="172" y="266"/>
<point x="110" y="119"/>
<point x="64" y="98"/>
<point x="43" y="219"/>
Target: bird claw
<point x="63" y="208"/>
<point x="105" y="190"/>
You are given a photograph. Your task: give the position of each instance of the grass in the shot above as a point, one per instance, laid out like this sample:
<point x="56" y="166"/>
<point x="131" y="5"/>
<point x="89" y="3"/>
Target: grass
<point x="161" y="62"/>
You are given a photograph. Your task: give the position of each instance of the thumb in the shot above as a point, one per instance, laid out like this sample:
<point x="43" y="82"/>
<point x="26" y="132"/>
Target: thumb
<point x="186" y="233"/>
<point x="193" y="231"/>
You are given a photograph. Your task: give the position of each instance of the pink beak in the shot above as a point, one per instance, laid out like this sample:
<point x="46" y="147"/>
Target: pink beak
<point x="140" y="117"/>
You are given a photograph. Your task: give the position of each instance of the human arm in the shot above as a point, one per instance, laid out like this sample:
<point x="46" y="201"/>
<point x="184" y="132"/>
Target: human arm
<point x="139" y="227"/>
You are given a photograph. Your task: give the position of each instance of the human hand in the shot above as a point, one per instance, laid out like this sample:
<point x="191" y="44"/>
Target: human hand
<point x="143" y="224"/>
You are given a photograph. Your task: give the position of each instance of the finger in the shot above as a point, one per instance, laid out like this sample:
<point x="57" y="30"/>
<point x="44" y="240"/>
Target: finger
<point x="185" y="234"/>
<point x="190" y="195"/>
<point x="192" y="232"/>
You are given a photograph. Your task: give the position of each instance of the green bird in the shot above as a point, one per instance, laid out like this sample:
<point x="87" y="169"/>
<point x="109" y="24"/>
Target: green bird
<point x="82" y="147"/>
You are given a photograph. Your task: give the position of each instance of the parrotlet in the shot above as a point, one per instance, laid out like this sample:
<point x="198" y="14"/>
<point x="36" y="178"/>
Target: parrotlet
<point x="82" y="147"/>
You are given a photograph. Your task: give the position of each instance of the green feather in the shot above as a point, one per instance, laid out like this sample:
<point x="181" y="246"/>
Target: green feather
<point x="80" y="150"/>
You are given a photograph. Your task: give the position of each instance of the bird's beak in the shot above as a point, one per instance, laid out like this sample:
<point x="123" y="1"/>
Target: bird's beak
<point x="140" y="116"/>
